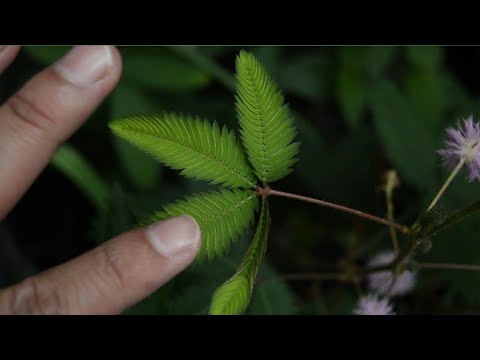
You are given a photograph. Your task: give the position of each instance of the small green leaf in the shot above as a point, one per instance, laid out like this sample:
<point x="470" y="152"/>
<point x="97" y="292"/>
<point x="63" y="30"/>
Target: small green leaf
<point x="350" y="93"/>
<point x="266" y="123"/>
<point x="428" y="92"/>
<point x="76" y="167"/>
<point x="202" y="150"/>
<point x="233" y="297"/>
<point x="223" y="216"/>
<point x="429" y="220"/>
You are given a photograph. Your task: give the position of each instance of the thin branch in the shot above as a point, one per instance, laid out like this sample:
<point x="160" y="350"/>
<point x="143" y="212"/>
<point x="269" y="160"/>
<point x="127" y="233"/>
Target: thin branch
<point x="447" y="182"/>
<point x="448" y="266"/>
<point x="391" y="183"/>
<point x="267" y="191"/>
<point x="392" y="285"/>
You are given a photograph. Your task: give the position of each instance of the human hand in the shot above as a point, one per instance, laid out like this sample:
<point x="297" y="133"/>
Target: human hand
<point x="33" y="123"/>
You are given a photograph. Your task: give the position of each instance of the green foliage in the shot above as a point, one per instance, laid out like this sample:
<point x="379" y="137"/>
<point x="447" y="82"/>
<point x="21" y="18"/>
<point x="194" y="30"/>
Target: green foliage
<point x="203" y="151"/>
<point x="358" y="69"/>
<point x="404" y="135"/>
<point x="233" y="297"/>
<point x="164" y="71"/>
<point x="351" y="95"/>
<point x="425" y="58"/>
<point x="120" y="214"/>
<point x="271" y="296"/>
<point x="46" y="54"/>
<point x="359" y="112"/>
<point x="195" y="289"/>
<point x="266" y="124"/>
<point x="426" y="84"/>
<point x="208" y="65"/>
<point x="223" y="216"/>
<point x="458" y="244"/>
<point x="78" y="169"/>
<point x="143" y="171"/>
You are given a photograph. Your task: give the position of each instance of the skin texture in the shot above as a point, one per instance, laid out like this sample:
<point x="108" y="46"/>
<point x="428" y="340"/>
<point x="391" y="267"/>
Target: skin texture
<point x="34" y="122"/>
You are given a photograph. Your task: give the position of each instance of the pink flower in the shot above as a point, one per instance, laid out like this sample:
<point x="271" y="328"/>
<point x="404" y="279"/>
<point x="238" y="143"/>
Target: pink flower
<point x="381" y="281"/>
<point x="372" y="305"/>
<point x="463" y="143"/>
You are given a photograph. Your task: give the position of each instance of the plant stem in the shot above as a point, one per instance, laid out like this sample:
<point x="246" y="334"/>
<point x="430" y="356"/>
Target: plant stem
<point x="447" y="182"/>
<point x="391" y="183"/>
<point x="449" y="266"/>
<point x="458" y="215"/>
<point x="267" y="191"/>
<point x="391" y="286"/>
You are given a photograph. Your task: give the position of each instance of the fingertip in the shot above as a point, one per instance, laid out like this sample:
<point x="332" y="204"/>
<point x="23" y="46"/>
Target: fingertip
<point x="87" y="66"/>
<point x="181" y="234"/>
<point x="117" y="64"/>
<point x="7" y="55"/>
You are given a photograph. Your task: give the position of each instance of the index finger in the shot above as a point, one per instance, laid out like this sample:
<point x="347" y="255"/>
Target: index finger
<point x="46" y="111"/>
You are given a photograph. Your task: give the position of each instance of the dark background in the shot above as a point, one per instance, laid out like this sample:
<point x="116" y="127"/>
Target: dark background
<point x="359" y="111"/>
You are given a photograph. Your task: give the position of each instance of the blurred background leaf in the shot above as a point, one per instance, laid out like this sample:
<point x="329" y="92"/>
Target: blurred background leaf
<point x="160" y="68"/>
<point x="46" y="54"/>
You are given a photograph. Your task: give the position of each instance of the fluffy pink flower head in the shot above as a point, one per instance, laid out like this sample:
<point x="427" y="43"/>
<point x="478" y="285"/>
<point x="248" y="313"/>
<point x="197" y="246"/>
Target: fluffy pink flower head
<point x="372" y="305"/>
<point x="463" y="143"/>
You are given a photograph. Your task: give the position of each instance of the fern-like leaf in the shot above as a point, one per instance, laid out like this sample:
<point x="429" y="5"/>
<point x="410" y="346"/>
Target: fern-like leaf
<point x="201" y="149"/>
<point x="223" y="216"/>
<point x="266" y="123"/>
<point x="233" y="297"/>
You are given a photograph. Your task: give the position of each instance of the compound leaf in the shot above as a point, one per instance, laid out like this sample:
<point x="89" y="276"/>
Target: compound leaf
<point x="223" y="216"/>
<point x="202" y="150"/>
<point x="233" y="297"/>
<point x="266" y="123"/>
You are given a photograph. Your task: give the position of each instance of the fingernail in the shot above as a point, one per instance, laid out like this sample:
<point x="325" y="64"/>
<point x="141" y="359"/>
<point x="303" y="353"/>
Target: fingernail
<point x="172" y="236"/>
<point x="85" y="65"/>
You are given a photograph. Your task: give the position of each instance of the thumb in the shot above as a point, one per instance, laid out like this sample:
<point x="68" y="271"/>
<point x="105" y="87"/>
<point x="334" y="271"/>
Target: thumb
<point x="111" y="277"/>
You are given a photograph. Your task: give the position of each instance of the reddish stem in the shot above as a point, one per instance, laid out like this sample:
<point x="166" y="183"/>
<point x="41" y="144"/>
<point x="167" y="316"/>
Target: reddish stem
<point x="268" y="191"/>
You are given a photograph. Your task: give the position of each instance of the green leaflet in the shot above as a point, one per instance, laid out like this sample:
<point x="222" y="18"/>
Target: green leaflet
<point x="223" y="216"/>
<point x="202" y="150"/>
<point x="266" y="123"/>
<point x="142" y="170"/>
<point x="233" y="297"/>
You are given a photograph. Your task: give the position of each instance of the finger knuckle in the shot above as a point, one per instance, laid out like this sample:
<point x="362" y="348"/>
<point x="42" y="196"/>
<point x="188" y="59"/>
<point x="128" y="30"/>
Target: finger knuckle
<point x="30" y="113"/>
<point x="30" y="297"/>
<point x="112" y="267"/>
